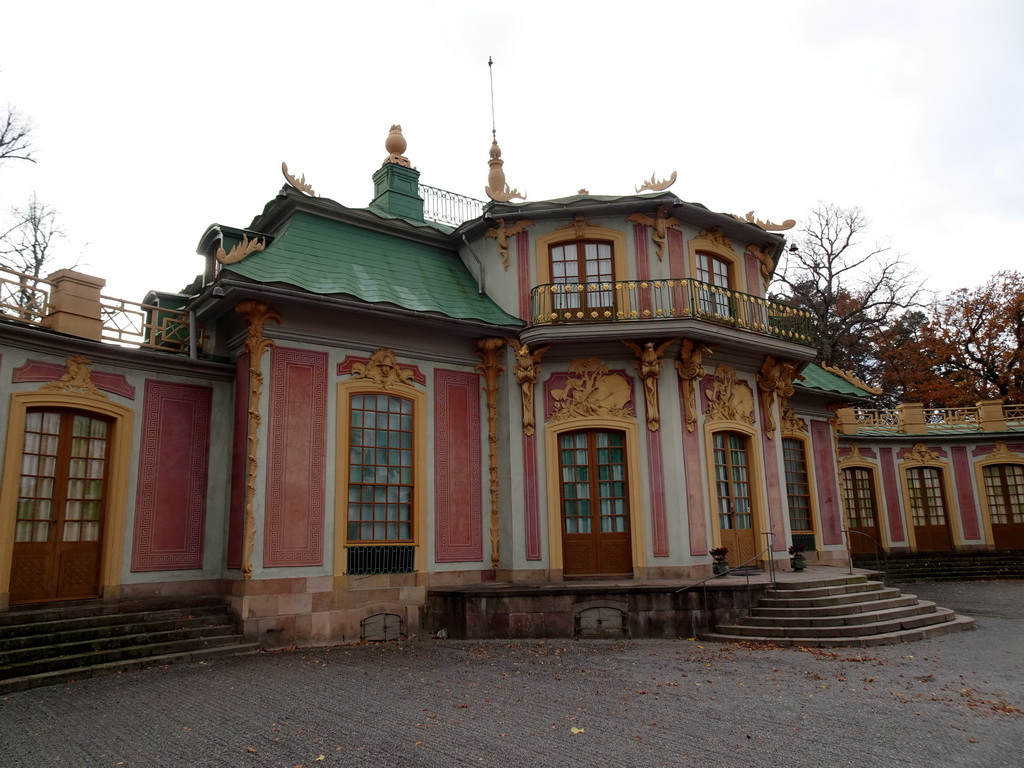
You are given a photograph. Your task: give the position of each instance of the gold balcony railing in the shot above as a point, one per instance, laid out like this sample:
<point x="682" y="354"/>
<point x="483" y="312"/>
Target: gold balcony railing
<point x="674" y="299"/>
<point x="911" y="418"/>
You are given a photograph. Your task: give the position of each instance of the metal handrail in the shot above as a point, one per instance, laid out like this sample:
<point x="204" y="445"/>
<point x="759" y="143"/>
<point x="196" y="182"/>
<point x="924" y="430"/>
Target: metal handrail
<point x="884" y="570"/>
<point x="703" y="582"/>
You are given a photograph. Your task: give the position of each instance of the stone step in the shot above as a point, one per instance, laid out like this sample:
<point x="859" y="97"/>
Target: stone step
<point x="830" y="620"/>
<point x="82" y="609"/>
<point x="47" y="626"/>
<point x="54" y="677"/>
<point x="840" y="610"/>
<point x="832" y="581"/>
<point x="956" y="624"/>
<point x="847" y="630"/>
<point x="127" y="653"/>
<point x="828" y="591"/>
<point x="79" y="647"/>
<point x="60" y="633"/>
<point x="794" y="601"/>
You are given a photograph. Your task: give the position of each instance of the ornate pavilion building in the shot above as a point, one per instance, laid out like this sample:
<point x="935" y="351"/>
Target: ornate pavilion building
<point x="352" y="407"/>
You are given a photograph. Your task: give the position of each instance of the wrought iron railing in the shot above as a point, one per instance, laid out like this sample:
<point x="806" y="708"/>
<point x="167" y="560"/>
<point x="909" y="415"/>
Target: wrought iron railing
<point x="23" y="297"/>
<point x="633" y="300"/>
<point x="145" y="325"/>
<point x="447" y="207"/>
<point x="381" y="558"/>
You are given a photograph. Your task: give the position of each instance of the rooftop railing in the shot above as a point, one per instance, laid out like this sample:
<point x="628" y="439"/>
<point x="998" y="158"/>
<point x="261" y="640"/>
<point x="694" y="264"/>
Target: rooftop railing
<point x="915" y="419"/>
<point x="66" y="302"/>
<point x="675" y="299"/>
<point x="447" y="207"/>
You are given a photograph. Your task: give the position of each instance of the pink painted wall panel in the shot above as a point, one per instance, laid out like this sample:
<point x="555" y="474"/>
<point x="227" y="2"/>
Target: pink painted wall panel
<point x="174" y="455"/>
<point x="965" y="493"/>
<point x="296" y="457"/>
<point x="531" y="498"/>
<point x="893" y="503"/>
<point x="37" y="370"/>
<point x="523" y="262"/>
<point x="458" y="489"/>
<point x="643" y="268"/>
<point x="697" y="507"/>
<point x="676" y="254"/>
<point x="826" y="477"/>
<point x="774" y="490"/>
<point x="239" y="463"/>
<point x="752" y="273"/>
<point x="656" y="478"/>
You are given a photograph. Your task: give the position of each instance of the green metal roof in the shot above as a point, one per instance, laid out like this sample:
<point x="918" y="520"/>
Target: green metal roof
<point x="325" y="256"/>
<point x="816" y="377"/>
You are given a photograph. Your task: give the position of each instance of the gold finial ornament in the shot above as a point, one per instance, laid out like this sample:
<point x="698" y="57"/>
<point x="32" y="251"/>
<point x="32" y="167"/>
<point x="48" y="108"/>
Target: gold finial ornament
<point x="767" y="226"/>
<point x="395" y="144"/>
<point x="497" y="188"/>
<point x="300" y="183"/>
<point x="657" y="186"/>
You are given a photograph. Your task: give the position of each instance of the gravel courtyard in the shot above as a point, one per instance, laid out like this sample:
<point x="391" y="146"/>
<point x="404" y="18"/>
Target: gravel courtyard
<point x="953" y="701"/>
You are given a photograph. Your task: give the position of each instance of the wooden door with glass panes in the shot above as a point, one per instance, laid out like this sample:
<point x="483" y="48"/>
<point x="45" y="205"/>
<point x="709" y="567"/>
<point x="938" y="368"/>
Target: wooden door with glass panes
<point x="861" y="510"/>
<point x="733" y="497"/>
<point x="596" y="538"/>
<point x="61" y="503"/>
<point x="928" y="510"/>
<point x="1004" y="490"/>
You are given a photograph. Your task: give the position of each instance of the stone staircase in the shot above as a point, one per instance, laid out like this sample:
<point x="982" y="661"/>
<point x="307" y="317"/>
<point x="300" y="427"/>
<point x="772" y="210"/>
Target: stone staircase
<point x="837" y="612"/>
<point x="948" y="566"/>
<point x="59" y="643"/>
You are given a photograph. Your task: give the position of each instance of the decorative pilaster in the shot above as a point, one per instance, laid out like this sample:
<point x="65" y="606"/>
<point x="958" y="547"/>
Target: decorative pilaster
<point x="491" y="369"/>
<point x="256" y="314"/>
<point x="691" y="370"/>
<point x="648" y="365"/>
<point x="527" y="371"/>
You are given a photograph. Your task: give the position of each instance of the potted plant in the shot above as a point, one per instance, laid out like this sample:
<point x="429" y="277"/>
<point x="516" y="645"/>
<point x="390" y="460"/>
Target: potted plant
<point x="797" y="559"/>
<point x="719" y="566"/>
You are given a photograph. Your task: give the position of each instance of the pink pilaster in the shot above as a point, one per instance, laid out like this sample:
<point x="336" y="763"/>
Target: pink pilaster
<point x="965" y="493"/>
<point x="893" y="502"/>
<point x="826" y="479"/>
<point x="458" y="494"/>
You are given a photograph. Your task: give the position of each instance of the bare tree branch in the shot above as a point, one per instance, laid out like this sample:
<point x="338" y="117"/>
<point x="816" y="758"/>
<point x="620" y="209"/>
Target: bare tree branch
<point x="15" y="143"/>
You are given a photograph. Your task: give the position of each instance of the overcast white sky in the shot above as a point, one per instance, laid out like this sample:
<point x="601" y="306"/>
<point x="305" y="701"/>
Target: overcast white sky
<point x="153" y="121"/>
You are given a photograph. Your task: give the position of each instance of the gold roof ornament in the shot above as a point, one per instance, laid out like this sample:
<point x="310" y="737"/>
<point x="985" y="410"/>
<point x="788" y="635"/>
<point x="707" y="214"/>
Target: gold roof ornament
<point x="851" y="378"/>
<point x="767" y="226"/>
<point x="657" y="186"/>
<point x="240" y="250"/>
<point x="497" y="188"/>
<point x="396" y="145"/>
<point x="300" y="183"/>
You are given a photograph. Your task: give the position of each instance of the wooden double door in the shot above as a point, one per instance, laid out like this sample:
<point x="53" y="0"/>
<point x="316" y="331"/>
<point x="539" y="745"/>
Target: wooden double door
<point x="61" y="504"/>
<point x="596" y="537"/>
<point x="928" y="510"/>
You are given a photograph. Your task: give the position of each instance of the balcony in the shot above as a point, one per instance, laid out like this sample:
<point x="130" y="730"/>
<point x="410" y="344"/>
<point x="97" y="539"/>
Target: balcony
<point x="627" y="301"/>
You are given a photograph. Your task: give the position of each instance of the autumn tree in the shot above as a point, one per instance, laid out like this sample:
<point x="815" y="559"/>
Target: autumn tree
<point x="971" y="347"/>
<point x="852" y="289"/>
